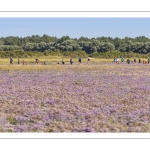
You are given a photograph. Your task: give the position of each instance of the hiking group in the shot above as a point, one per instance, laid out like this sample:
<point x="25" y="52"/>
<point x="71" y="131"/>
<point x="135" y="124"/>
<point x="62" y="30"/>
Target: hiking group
<point x="71" y="61"/>
<point x="37" y="61"/>
<point x="116" y="60"/>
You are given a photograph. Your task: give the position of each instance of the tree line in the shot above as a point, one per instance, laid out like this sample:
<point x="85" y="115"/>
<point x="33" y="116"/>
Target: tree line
<point x="46" y="43"/>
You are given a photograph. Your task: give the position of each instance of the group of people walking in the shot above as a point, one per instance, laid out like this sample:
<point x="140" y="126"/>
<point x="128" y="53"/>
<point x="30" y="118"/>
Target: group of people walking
<point x="11" y="61"/>
<point x="116" y="60"/>
<point x="139" y="60"/>
<point x="37" y="61"/>
<point x="23" y="61"/>
<point x="71" y="61"/>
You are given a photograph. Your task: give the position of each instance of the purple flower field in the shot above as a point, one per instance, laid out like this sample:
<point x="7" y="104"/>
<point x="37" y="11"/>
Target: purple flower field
<point x="101" y="98"/>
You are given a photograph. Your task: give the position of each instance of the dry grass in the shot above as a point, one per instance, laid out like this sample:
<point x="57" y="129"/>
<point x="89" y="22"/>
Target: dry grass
<point x="48" y="59"/>
<point x="77" y="67"/>
<point x="55" y="59"/>
<point x="51" y="64"/>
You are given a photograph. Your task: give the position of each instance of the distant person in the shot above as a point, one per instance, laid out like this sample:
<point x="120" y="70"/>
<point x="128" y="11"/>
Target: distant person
<point x="88" y="60"/>
<point x="11" y="60"/>
<point x="128" y="61"/>
<point x="117" y="60"/>
<point x="36" y="61"/>
<point x="134" y="60"/>
<point x="122" y="59"/>
<point x="148" y="60"/>
<point x="44" y="63"/>
<point x="114" y="60"/>
<point x="71" y="62"/>
<point x="23" y="62"/>
<point x="18" y="61"/>
<point x="80" y="60"/>
<point x="139" y="60"/>
<point x="63" y="62"/>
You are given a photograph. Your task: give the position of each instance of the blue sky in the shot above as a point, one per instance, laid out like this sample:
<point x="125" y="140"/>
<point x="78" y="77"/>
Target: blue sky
<point x="75" y="27"/>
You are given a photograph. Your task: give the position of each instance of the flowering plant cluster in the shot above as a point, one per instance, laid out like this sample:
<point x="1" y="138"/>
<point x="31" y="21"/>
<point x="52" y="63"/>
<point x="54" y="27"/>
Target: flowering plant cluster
<point x="100" y="99"/>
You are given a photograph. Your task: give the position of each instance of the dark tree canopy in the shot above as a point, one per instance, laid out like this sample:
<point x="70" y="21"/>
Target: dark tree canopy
<point x="43" y="43"/>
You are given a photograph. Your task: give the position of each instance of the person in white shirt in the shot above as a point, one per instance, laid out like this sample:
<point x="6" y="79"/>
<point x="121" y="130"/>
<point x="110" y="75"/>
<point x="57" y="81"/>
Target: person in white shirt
<point x="117" y="61"/>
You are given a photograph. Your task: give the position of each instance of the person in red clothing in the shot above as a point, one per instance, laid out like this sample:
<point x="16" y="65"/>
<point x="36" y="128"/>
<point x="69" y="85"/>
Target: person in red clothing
<point x="36" y="61"/>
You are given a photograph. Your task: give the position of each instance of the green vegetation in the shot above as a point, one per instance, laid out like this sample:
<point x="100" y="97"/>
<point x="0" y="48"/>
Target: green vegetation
<point x="101" y="47"/>
<point x="12" y="120"/>
<point x="119" y="54"/>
